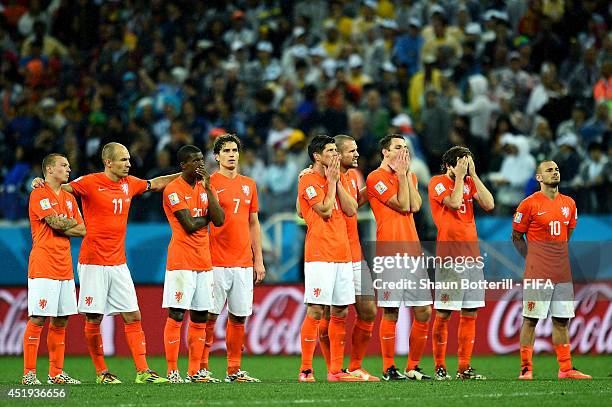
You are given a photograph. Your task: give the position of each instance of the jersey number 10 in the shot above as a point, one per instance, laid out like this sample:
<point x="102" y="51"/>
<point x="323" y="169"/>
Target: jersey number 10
<point x="555" y="228"/>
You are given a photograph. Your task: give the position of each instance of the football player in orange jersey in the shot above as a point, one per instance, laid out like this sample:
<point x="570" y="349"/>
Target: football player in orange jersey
<point x="451" y="196"/>
<point x="236" y="252"/>
<point x="548" y="219"/>
<point x="392" y="190"/>
<point x="190" y="204"/>
<point x="54" y="218"/>
<point x="328" y="271"/>
<point x="365" y="305"/>
<point x="106" y="286"/>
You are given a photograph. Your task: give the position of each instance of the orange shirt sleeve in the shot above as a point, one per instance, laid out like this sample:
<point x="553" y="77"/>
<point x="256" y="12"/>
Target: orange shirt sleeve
<point x="522" y="217"/>
<point x="80" y="185"/>
<point x="137" y="185"/>
<point x="438" y="190"/>
<point x="380" y="188"/>
<point x="254" y="200"/>
<point x="574" y="217"/>
<point x="310" y="190"/>
<point x="175" y="199"/>
<point x="41" y="205"/>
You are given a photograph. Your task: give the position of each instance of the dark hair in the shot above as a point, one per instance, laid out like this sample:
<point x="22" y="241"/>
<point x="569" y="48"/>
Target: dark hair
<point x="50" y="160"/>
<point x="317" y="145"/>
<point x="385" y="142"/>
<point x="542" y="161"/>
<point x="226" y="138"/>
<point x="182" y="155"/>
<point x="450" y="157"/>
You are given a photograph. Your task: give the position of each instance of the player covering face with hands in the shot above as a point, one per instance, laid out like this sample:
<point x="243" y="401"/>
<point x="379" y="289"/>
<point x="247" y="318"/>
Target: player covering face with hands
<point x="451" y="196"/>
<point x="392" y="190"/>
<point x="190" y="204"/>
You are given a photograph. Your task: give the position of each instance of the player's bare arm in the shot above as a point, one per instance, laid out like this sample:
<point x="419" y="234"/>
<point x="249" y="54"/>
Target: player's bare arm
<point x="39" y="182"/>
<point x="76" y="231"/>
<point x="415" y="198"/>
<point x="347" y="202"/>
<point x="215" y="212"/>
<point x="159" y="183"/>
<point x="191" y="224"/>
<point x="518" y="239"/>
<point x="60" y="223"/>
<point x="483" y="196"/>
<point x="363" y="197"/>
<point x="259" y="269"/>
<point x="401" y="201"/>
<point x="455" y="199"/>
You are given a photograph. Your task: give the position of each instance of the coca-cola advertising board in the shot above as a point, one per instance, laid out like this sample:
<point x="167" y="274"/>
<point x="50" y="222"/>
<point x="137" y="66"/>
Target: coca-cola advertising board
<point x="278" y="311"/>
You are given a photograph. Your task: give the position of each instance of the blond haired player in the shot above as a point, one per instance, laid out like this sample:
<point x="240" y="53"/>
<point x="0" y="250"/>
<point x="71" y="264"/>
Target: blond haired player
<point x="106" y="286"/>
<point x="54" y="218"/>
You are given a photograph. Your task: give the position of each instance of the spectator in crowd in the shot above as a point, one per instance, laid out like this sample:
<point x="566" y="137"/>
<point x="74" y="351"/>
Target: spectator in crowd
<point x="76" y="74"/>
<point x="590" y="181"/>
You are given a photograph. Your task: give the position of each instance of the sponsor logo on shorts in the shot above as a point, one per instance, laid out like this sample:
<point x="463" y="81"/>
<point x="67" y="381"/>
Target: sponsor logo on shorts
<point x="42" y="303"/>
<point x="316" y="292"/>
<point x="88" y="301"/>
<point x="178" y="296"/>
<point x="531" y="305"/>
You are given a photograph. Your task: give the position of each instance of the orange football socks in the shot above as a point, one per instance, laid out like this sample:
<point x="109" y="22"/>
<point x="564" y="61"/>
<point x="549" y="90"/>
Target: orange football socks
<point x="93" y="337"/>
<point x="31" y="339"/>
<point x="172" y="342"/>
<point x="309" y="331"/>
<point x="56" y="346"/>
<point x="234" y="340"/>
<point x="362" y="332"/>
<point x="210" y="337"/>
<point x="439" y="339"/>
<point x="196" y="337"/>
<point x="387" y="342"/>
<point x="564" y="357"/>
<point x="135" y="339"/>
<point x="466" y="334"/>
<point x="526" y="357"/>
<point x="418" y="339"/>
<point x="337" y="338"/>
<point x="324" y="340"/>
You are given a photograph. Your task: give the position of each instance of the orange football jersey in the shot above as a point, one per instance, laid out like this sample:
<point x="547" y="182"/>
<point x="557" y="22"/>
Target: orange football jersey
<point x="50" y="256"/>
<point x="187" y="251"/>
<point x="546" y="223"/>
<point x="456" y="227"/>
<point x="106" y="204"/>
<point x="326" y="239"/>
<point x="350" y="182"/>
<point x="231" y="243"/>
<point x="392" y="227"/>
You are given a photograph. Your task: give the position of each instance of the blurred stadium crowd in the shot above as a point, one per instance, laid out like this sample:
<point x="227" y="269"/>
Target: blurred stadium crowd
<point x="515" y="81"/>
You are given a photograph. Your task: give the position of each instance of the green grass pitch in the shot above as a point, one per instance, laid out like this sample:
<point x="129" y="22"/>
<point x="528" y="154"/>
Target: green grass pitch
<point x="279" y="385"/>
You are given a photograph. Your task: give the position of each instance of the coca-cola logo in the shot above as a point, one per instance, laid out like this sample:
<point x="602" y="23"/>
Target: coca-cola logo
<point x="13" y="325"/>
<point x="275" y="325"/>
<point x="590" y="330"/>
